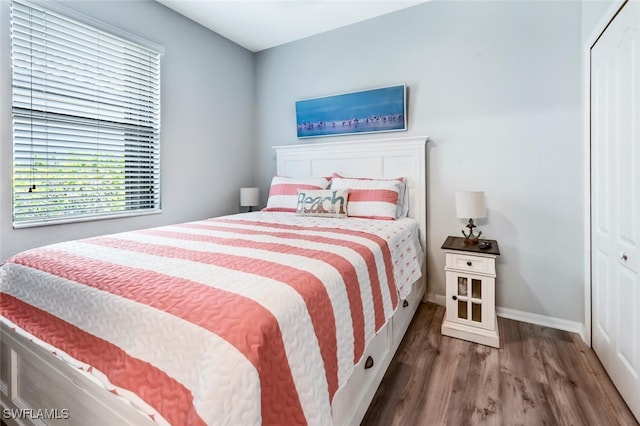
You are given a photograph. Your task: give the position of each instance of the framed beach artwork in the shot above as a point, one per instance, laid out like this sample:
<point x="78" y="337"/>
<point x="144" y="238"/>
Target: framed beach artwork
<point x="374" y="110"/>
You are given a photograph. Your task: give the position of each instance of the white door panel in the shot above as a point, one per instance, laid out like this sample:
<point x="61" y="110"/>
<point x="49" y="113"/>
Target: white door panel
<point x="628" y="319"/>
<point x="601" y="298"/>
<point x="615" y="201"/>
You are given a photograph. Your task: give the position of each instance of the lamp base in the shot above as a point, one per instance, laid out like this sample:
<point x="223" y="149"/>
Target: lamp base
<point x="471" y="238"/>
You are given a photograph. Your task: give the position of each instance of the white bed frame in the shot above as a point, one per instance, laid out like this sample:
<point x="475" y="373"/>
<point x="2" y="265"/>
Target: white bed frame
<point x="32" y="379"/>
<point x="379" y="158"/>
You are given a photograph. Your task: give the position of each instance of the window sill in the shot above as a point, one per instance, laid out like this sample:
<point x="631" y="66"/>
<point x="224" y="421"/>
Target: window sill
<point x="48" y="222"/>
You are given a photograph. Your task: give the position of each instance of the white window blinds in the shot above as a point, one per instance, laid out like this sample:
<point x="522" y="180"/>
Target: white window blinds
<point x="86" y="121"/>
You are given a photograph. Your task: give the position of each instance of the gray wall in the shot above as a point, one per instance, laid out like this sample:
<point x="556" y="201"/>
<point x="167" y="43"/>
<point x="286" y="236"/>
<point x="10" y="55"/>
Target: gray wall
<point x="496" y="85"/>
<point x="207" y="105"/>
<point x="592" y="12"/>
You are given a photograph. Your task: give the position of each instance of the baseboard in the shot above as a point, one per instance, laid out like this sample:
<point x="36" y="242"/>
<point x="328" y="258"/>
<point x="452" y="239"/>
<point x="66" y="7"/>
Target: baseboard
<point x="546" y="321"/>
<point x="543" y="320"/>
<point x="438" y="299"/>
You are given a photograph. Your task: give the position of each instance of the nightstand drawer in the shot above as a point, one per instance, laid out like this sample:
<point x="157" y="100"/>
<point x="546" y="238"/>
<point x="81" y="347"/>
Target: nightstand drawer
<point x="467" y="263"/>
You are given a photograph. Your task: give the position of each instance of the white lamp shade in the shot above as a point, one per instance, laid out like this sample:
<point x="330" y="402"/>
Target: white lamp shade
<point x="470" y="205"/>
<point x="249" y="197"/>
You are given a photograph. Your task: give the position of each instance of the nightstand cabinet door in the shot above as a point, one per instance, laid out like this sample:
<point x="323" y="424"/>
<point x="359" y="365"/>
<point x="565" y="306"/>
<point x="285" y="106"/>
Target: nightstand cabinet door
<point x="470" y="299"/>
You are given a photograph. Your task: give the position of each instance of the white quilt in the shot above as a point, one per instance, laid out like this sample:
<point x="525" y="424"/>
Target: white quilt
<point x="255" y="318"/>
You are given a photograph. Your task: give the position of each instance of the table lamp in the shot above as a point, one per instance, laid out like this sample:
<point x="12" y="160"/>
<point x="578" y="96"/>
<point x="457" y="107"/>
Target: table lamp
<point x="249" y="197"/>
<point x="470" y="205"/>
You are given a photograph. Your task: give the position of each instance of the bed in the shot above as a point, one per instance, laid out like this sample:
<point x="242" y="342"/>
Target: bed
<point x="303" y="313"/>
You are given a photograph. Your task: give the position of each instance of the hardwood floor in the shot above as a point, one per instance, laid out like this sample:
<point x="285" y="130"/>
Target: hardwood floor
<point x="539" y="376"/>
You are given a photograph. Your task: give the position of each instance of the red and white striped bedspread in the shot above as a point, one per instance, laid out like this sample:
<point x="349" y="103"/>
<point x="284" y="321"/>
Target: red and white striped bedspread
<point x="248" y="319"/>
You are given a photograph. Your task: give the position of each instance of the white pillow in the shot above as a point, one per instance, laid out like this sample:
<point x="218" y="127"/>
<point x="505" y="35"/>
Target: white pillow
<point x="372" y="198"/>
<point x="283" y="193"/>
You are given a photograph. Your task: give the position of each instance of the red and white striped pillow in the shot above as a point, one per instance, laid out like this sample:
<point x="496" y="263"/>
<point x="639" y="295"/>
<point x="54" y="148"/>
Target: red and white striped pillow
<point x="283" y="193"/>
<point x="372" y="198"/>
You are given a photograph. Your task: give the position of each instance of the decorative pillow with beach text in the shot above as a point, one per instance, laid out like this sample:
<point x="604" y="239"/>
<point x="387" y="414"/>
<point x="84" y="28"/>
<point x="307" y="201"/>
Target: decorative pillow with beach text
<point x="327" y="203"/>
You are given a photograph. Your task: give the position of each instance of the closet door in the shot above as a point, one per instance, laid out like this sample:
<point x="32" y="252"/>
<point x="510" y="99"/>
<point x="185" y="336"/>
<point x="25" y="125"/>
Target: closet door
<point x="615" y="186"/>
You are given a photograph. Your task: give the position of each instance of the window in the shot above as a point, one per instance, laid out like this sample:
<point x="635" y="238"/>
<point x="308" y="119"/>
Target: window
<point x="86" y="120"/>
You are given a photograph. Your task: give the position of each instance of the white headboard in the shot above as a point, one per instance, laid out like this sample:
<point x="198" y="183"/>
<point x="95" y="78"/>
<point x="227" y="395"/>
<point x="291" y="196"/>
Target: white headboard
<point x="378" y="158"/>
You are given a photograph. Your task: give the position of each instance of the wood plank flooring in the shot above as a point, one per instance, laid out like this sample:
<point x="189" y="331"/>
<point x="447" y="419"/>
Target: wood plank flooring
<point x="539" y="376"/>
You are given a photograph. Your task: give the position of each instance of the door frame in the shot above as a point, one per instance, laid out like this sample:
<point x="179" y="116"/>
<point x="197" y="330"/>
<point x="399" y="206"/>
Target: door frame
<point x="597" y="31"/>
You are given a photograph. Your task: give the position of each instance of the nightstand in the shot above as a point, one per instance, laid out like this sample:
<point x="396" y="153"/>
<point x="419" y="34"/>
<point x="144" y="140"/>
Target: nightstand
<point x="471" y="281"/>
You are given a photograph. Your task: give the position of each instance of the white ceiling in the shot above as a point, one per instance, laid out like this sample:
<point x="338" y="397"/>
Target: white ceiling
<point x="261" y="24"/>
